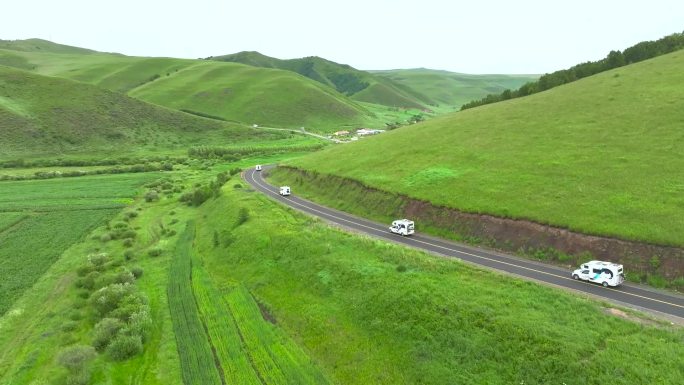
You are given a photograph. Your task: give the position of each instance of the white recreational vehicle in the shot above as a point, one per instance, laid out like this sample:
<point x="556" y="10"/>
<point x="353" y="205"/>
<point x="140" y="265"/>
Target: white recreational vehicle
<point x="402" y="227"/>
<point x="258" y="167"/>
<point x="284" y="190"/>
<point x="604" y="273"/>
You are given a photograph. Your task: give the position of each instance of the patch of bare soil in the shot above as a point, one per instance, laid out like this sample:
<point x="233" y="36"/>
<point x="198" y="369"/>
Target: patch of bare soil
<point x="635" y="318"/>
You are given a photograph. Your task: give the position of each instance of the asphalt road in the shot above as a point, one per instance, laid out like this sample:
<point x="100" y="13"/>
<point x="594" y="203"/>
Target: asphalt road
<point x="629" y="295"/>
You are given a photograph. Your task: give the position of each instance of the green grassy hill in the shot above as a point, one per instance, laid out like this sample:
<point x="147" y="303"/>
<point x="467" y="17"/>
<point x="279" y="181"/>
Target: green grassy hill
<point x="451" y="88"/>
<point x="600" y="156"/>
<point x="46" y="116"/>
<point x="360" y="85"/>
<point x="228" y="91"/>
<point x="40" y="45"/>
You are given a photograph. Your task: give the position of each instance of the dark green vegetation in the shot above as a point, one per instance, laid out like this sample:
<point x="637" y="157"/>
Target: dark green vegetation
<point x="588" y="156"/>
<point x="444" y="89"/>
<point x="634" y="54"/>
<point x="39" y="220"/>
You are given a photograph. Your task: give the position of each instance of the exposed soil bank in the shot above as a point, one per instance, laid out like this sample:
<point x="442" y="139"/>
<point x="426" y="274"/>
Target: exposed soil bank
<point x="522" y="237"/>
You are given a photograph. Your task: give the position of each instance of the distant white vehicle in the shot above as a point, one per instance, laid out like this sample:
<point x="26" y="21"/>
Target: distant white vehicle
<point x="402" y="227"/>
<point x="284" y="190"/>
<point x="604" y="273"/>
<point x="258" y="167"/>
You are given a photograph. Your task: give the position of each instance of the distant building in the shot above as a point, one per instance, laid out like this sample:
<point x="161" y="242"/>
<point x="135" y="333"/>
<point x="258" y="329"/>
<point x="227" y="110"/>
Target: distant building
<point x="341" y="133"/>
<point x="368" y="131"/>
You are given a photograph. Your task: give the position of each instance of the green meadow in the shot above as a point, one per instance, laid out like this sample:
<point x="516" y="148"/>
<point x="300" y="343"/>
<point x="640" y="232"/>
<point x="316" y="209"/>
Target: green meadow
<point x="598" y="156"/>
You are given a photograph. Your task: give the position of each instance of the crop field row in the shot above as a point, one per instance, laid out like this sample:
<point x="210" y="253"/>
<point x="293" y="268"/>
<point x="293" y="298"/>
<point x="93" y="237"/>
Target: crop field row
<point x="197" y="361"/>
<point x="223" y="332"/>
<point x="117" y="189"/>
<point x="29" y="248"/>
<point x="277" y="358"/>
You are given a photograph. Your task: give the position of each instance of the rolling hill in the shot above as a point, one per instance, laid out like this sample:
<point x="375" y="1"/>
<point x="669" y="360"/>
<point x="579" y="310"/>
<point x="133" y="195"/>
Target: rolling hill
<point x="451" y="88"/>
<point x="359" y="85"/>
<point x="46" y="116"/>
<point x="229" y="91"/>
<point x="601" y="156"/>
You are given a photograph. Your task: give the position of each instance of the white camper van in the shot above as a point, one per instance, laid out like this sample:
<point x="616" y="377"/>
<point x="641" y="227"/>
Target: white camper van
<point x="284" y="190"/>
<point x="258" y="167"/>
<point x="402" y="227"/>
<point x="605" y="273"/>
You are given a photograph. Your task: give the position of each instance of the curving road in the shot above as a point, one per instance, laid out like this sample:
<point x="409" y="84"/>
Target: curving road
<point x="640" y="298"/>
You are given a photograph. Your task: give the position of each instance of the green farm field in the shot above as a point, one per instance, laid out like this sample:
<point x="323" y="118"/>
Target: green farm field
<point x="589" y="156"/>
<point x="40" y="219"/>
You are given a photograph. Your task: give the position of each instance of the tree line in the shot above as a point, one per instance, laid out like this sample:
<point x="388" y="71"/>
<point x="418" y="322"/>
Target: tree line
<point x="636" y="53"/>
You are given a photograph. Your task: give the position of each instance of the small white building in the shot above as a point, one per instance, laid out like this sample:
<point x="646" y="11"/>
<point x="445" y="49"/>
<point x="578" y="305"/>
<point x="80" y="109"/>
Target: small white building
<point x="368" y="131"/>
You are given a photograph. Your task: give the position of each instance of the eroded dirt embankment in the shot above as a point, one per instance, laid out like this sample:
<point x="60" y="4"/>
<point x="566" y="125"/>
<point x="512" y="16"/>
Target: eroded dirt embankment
<point x="517" y="236"/>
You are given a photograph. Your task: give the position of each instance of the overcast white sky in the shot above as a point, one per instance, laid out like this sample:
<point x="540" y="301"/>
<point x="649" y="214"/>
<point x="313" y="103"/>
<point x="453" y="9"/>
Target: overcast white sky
<point x="522" y="36"/>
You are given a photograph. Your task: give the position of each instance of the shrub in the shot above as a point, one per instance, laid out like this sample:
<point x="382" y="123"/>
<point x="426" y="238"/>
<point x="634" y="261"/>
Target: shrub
<point x="105" y="331"/>
<point x="137" y="271"/>
<point x="106" y="237"/>
<point x="128" y="254"/>
<point x="75" y="359"/>
<point x="140" y="323"/>
<point x="130" y="214"/>
<point x="84" y="270"/>
<point x="654" y="262"/>
<point x="171" y="233"/>
<point x="401" y="268"/>
<point x="151" y="196"/>
<point x="109" y="297"/>
<point x="243" y="216"/>
<point x="125" y="346"/>
<point x="154" y="252"/>
<point x="98" y="260"/>
<point x="173" y="221"/>
<point x="124" y="276"/>
<point x="128" y="242"/>
<point x="237" y="185"/>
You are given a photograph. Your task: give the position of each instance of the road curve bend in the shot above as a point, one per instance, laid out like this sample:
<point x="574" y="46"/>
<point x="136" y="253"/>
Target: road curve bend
<point x="640" y="298"/>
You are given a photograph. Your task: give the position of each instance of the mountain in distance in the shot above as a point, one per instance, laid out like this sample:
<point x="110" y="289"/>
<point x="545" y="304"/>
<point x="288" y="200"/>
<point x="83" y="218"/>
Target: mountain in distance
<point x="359" y="85"/>
<point x="453" y="88"/>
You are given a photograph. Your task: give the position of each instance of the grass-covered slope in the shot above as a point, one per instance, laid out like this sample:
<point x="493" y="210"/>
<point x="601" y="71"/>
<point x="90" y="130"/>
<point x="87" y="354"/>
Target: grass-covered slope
<point x="254" y="95"/>
<point x="40" y="45"/>
<point x="451" y="88"/>
<point x="42" y="116"/>
<point x="228" y="91"/>
<point x="601" y="155"/>
<point x="360" y="85"/>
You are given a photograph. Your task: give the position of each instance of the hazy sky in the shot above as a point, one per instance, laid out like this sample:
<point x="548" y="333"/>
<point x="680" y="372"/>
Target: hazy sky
<point x="522" y="36"/>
